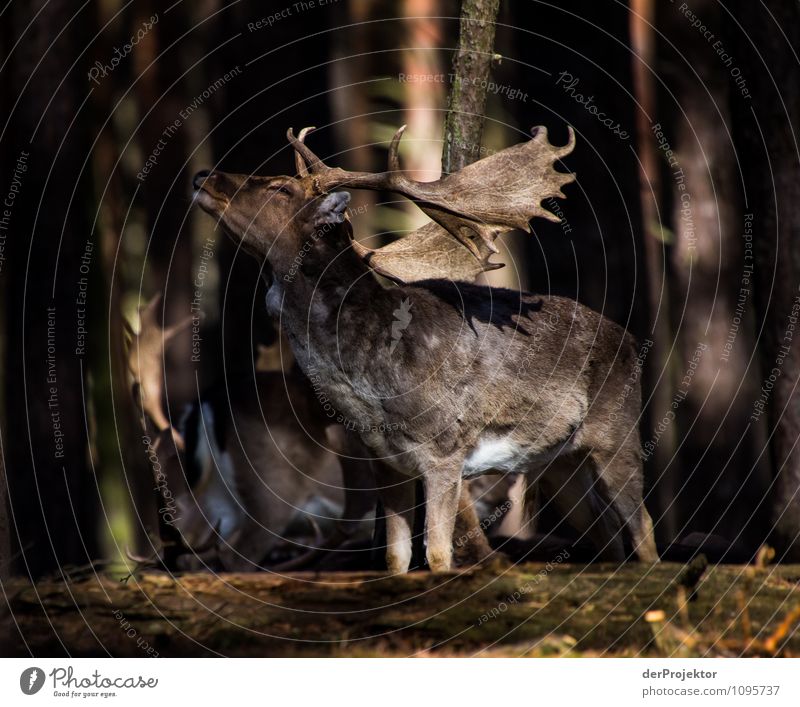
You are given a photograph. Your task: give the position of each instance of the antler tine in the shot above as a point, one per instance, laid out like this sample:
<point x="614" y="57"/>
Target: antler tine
<point x="326" y="178"/>
<point x="151" y="307"/>
<point x="312" y="162"/>
<point x="539" y="135"/>
<point x="299" y="162"/>
<point x="570" y="146"/>
<point x="394" y="159"/>
<point x="172" y="331"/>
<point x="305" y="159"/>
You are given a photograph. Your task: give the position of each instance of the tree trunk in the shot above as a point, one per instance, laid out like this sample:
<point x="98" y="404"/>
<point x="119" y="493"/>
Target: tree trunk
<point x="657" y="389"/>
<point x="422" y="100"/>
<point x="53" y="495"/>
<point x="718" y="471"/>
<point x="120" y="454"/>
<point x="766" y="101"/>
<point x="463" y="127"/>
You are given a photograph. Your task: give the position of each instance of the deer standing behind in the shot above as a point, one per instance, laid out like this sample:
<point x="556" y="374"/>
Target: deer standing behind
<point x="481" y="380"/>
<point x="248" y="463"/>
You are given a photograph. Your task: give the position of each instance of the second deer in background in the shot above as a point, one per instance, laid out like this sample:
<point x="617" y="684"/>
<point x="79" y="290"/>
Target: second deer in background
<point x="247" y="464"/>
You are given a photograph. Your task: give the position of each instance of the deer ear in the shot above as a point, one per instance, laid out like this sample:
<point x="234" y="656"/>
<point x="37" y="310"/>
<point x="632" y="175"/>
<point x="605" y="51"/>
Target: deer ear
<point x="331" y="208"/>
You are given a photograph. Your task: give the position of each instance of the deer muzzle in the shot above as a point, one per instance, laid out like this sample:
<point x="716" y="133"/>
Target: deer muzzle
<point x="215" y="190"/>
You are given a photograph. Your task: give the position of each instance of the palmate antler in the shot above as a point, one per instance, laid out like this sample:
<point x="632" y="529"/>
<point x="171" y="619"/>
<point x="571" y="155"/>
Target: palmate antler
<point x="468" y="208"/>
<point x="146" y="362"/>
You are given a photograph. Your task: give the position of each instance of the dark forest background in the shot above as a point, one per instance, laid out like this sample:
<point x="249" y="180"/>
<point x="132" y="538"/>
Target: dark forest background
<point x="711" y="279"/>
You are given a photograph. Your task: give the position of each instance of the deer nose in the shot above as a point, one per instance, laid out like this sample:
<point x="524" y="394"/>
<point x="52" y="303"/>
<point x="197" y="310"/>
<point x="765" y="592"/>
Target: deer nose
<point x="201" y="177"/>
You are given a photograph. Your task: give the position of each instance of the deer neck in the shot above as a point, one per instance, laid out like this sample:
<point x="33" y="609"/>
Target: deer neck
<point x="322" y="292"/>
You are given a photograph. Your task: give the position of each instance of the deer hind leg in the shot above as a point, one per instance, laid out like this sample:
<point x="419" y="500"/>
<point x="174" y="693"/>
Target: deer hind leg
<point x="644" y="542"/>
<point x="442" y="494"/>
<point x="471" y="545"/>
<point x="397" y="493"/>
<point x="530" y="502"/>
<point x="358" y="480"/>
<point x="621" y="471"/>
<point x="571" y="484"/>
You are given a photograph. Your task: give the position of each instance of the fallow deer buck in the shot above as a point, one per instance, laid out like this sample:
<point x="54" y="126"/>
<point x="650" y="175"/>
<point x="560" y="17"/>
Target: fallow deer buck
<point x="246" y="463"/>
<point x="481" y="380"/>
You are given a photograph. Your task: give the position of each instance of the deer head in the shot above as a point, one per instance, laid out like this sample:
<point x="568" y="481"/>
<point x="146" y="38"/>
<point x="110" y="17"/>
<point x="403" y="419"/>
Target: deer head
<point x="272" y="216"/>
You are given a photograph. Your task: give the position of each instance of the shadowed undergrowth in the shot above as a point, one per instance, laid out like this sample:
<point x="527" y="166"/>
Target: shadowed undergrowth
<point x="496" y="610"/>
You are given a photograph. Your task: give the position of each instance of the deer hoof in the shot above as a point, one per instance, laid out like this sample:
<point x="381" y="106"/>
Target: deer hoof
<point x="439" y="561"/>
<point x="398" y="562"/>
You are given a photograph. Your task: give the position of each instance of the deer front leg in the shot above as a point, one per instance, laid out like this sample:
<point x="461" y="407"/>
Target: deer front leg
<point x="442" y="492"/>
<point x="397" y="493"/>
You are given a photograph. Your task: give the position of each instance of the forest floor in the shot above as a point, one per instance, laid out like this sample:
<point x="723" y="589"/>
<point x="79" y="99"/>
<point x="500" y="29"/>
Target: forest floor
<point x="529" y="609"/>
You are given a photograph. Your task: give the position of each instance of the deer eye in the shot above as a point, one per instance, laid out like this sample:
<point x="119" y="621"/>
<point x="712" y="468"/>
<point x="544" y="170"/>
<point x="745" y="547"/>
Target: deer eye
<point x="281" y="189"/>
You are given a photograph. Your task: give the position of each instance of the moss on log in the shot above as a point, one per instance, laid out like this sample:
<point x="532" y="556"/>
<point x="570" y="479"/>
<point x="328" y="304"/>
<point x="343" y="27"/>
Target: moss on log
<point x="495" y="610"/>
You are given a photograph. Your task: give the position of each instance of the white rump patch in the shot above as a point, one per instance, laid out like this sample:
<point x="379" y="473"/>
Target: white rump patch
<point x="492" y="454"/>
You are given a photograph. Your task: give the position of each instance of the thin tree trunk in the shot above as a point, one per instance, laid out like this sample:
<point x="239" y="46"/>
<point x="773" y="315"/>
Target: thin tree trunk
<point x="422" y="100"/>
<point x="656" y="391"/>
<point x="463" y="127"/>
